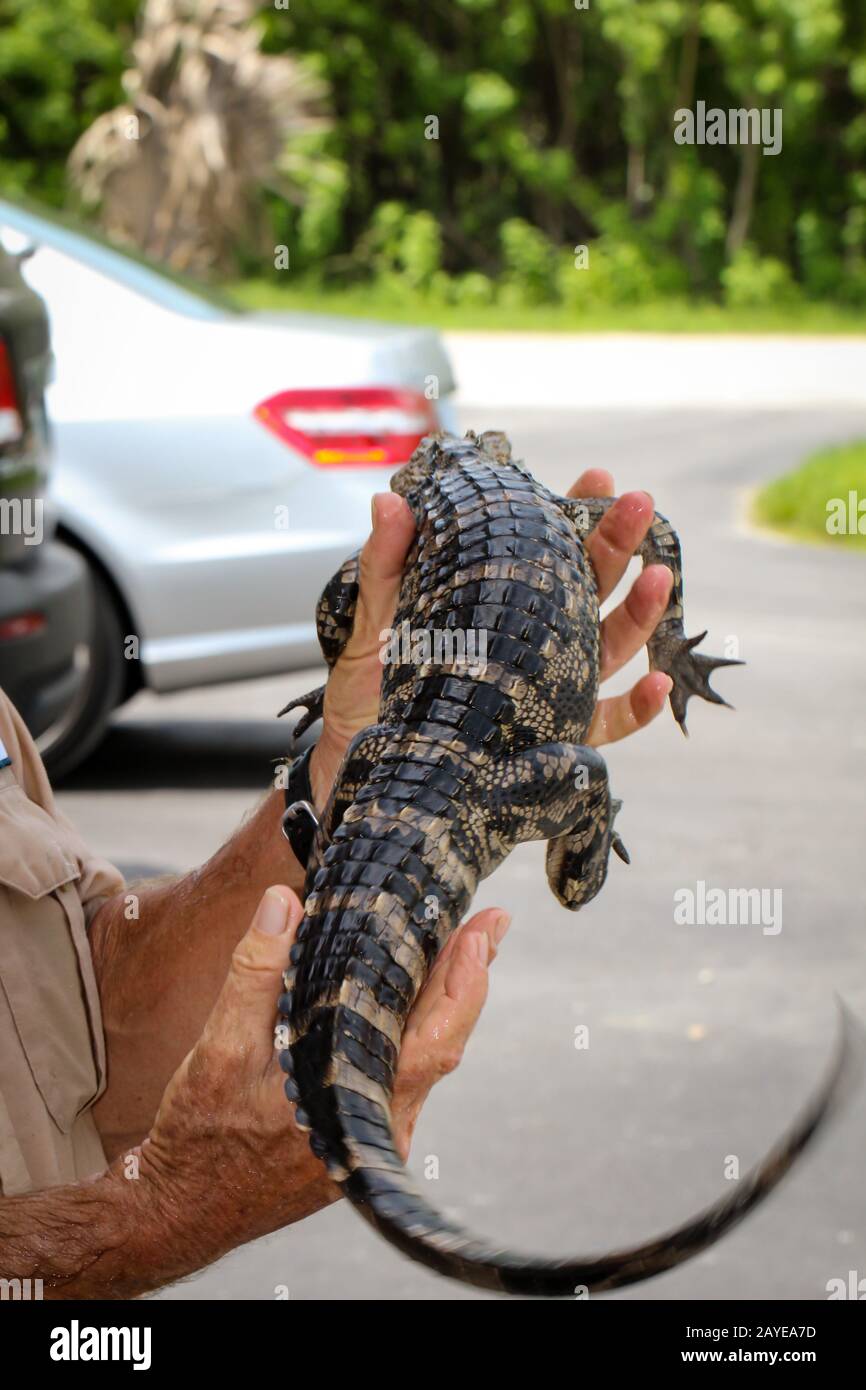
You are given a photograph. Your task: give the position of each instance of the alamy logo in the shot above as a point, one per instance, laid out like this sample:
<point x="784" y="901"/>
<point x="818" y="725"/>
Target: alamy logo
<point x="451" y="647"/>
<point x="77" y="1343"/>
<point x="729" y="907"/>
<point x="846" y="516"/>
<point x="854" y="1287"/>
<point x="21" y="1290"/>
<point x="737" y="126"/>
<point x="22" y="516"/>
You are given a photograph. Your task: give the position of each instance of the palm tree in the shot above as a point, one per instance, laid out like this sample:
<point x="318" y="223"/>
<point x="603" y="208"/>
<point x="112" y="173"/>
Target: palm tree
<point x="179" y="169"/>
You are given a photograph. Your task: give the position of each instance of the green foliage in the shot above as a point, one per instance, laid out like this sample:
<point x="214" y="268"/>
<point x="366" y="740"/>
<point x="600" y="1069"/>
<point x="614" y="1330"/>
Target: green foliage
<point x="446" y="306"/>
<point x="529" y="263"/>
<point x="475" y="144"/>
<point x="555" y="128"/>
<point x="60" y="67"/>
<point x="616" y="273"/>
<point x="473" y="289"/>
<point x="819" y="261"/>
<point x="752" y="281"/>
<point x="324" y="187"/>
<point x="798" y="502"/>
<point x="403" y="245"/>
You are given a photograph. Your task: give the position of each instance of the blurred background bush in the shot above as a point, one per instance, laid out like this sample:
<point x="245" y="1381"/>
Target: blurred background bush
<point x="457" y="151"/>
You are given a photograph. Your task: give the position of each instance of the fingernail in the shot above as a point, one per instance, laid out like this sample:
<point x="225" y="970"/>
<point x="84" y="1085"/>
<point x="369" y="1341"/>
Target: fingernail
<point x="273" y="914"/>
<point x="635" y="501"/>
<point x="660" y="569"/>
<point x="374" y="509"/>
<point x="670" y="685"/>
<point x="482" y="947"/>
<point x="500" y="927"/>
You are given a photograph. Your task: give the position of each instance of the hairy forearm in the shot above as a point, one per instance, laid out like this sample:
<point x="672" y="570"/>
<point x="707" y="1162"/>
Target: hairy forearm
<point x="159" y="973"/>
<point x="117" y="1237"/>
<point x="78" y="1240"/>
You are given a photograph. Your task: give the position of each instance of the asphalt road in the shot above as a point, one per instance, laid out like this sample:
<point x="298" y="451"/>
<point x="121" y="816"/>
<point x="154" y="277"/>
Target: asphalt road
<point x="703" y="1040"/>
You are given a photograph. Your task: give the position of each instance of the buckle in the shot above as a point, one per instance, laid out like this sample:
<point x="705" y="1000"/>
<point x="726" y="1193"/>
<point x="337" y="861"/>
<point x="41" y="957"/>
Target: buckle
<point x="292" y="812"/>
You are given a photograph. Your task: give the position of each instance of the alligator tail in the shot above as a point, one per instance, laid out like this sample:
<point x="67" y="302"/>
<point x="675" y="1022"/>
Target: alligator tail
<point x="384" y="1194"/>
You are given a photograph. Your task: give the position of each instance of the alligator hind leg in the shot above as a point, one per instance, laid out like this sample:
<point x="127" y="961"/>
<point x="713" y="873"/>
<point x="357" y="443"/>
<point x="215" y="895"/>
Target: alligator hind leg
<point x="669" y="648"/>
<point x="558" y="792"/>
<point x="577" y="862"/>
<point x="335" y="617"/>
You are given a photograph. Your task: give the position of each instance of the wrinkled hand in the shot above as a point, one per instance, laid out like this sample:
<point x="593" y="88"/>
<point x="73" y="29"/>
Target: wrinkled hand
<point x="352" y="695"/>
<point x="444" y="1015"/>
<point x="352" y="692"/>
<point x="224" y="1162"/>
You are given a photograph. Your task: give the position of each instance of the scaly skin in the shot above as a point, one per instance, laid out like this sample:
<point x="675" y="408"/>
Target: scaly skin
<point x="463" y="765"/>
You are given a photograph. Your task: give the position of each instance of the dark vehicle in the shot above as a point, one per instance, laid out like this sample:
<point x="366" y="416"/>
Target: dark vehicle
<point x="44" y="587"/>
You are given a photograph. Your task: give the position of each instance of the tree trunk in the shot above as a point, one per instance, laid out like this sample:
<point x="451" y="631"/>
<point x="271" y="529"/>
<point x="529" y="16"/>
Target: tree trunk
<point x="635" y="179"/>
<point x="689" y="59"/>
<point x="744" y="200"/>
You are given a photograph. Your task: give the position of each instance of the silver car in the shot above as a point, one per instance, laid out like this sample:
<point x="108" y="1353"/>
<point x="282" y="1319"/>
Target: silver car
<point x="214" y="467"/>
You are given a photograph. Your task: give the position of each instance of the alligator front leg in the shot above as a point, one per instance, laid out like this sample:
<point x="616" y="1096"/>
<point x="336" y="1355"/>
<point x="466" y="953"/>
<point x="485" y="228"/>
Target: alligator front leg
<point x="335" y="617"/>
<point x="669" y="648"/>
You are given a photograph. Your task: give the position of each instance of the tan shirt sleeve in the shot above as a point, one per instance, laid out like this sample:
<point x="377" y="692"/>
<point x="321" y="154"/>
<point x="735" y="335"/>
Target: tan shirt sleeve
<point x="52" y="1049"/>
<point x="98" y="878"/>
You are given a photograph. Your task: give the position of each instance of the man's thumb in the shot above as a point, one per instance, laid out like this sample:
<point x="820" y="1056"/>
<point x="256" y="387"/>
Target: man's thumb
<point x="248" y="1002"/>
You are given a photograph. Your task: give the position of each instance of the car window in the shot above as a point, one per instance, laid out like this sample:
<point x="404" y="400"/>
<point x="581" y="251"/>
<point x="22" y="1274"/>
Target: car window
<point x="22" y="228"/>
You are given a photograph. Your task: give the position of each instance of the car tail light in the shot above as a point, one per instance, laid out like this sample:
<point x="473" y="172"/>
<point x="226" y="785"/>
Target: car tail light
<point x="350" y="427"/>
<point x="11" y="424"/>
<point x="22" y="625"/>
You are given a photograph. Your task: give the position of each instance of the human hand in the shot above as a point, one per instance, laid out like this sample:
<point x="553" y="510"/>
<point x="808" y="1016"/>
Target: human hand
<point x="354" y="683"/>
<point x="610" y="546"/>
<point x="224" y="1162"/>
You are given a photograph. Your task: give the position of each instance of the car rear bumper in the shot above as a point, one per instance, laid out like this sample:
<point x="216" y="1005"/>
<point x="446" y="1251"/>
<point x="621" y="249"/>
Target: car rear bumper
<point x="38" y="671"/>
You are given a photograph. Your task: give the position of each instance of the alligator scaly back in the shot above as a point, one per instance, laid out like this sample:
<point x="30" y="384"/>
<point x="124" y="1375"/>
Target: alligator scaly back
<point x="487" y="698"/>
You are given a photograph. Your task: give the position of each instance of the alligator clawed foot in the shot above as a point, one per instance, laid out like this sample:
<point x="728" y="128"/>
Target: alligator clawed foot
<point x="313" y="702"/>
<point x="616" y="843"/>
<point x="690" y="672"/>
<point x="619" y="848"/>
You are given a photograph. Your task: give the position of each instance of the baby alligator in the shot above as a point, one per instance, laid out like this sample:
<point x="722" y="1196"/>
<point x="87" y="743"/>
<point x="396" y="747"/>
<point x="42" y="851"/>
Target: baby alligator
<point x="470" y="758"/>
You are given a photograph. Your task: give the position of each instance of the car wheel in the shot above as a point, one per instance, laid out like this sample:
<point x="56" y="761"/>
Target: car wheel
<point x="68" y="742"/>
